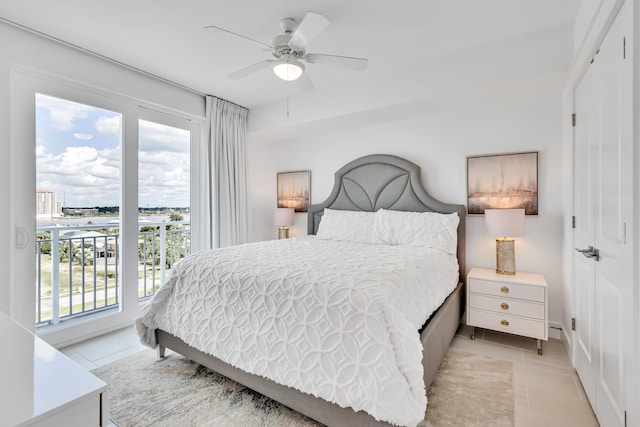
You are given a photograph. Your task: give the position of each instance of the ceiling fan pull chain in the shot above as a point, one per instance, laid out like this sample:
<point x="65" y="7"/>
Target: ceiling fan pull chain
<point x="287" y="84"/>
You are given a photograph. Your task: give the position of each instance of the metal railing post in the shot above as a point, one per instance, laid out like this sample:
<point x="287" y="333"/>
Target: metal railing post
<point x="163" y="254"/>
<point x="55" y="276"/>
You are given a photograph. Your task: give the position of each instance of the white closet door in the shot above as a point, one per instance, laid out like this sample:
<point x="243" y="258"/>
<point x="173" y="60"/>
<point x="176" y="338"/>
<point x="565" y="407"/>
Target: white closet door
<point x="604" y="213"/>
<point x="614" y="271"/>
<point x="587" y="134"/>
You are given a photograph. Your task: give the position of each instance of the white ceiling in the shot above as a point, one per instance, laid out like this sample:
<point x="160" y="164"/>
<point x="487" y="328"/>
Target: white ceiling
<point x="168" y="39"/>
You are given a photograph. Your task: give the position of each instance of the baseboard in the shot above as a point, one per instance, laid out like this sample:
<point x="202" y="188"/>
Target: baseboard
<point x="555" y="330"/>
<point x="567" y="341"/>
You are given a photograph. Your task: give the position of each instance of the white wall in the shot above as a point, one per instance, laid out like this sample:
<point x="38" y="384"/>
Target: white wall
<point x="26" y="50"/>
<point x="523" y="117"/>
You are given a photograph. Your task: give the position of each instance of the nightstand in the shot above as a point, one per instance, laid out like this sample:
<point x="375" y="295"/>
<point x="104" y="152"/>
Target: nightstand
<point x="516" y="304"/>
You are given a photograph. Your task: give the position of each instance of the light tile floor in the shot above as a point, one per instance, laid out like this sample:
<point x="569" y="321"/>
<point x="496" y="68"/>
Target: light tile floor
<point x="547" y="390"/>
<point x="105" y="349"/>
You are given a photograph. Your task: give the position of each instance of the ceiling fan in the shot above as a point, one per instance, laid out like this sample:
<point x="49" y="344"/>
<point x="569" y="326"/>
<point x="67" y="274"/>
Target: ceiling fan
<point x="289" y="51"/>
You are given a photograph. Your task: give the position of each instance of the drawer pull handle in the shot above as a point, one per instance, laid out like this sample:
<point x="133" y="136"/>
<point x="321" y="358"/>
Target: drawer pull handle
<point x="504" y="322"/>
<point x="504" y="306"/>
<point x="504" y="290"/>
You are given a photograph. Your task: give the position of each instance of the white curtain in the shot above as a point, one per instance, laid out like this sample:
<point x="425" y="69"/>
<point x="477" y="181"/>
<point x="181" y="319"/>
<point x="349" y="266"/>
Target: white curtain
<point x="227" y="217"/>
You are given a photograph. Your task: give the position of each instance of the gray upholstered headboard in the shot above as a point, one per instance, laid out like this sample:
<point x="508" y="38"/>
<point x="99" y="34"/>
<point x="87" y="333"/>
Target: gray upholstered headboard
<point x="384" y="181"/>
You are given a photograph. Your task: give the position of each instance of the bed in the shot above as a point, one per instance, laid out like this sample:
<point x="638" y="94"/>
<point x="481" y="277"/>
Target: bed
<point x="376" y="184"/>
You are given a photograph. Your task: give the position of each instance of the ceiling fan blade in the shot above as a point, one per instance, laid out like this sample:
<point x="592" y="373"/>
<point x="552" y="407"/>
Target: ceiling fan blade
<point x="244" y="72"/>
<point x="265" y="46"/>
<point x="312" y="24"/>
<point x="348" y="62"/>
<point x="304" y="83"/>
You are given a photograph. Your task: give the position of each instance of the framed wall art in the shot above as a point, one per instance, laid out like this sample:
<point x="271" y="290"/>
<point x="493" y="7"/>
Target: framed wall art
<point x="503" y="181"/>
<point x="294" y="190"/>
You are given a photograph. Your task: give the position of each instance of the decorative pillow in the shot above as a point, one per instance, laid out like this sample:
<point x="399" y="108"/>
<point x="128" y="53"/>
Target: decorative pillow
<point x="430" y="229"/>
<point x="348" y="226"/>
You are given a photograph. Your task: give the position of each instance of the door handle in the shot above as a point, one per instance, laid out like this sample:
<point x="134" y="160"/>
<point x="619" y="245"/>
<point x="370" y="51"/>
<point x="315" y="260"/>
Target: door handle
<point x="22" y="237"/>
<point x="590" y="252"/>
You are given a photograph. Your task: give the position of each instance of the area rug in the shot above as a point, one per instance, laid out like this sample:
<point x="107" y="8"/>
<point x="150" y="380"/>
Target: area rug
<point x="469" y="390"/>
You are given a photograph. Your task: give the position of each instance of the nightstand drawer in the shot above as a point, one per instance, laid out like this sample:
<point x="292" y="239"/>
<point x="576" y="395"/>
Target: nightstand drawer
<point x="513" y="325"/>
<point x="507" y="306"/>
<point x="505" y="289"/>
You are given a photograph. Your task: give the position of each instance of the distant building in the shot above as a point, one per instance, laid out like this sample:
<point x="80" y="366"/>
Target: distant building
<point x="46" y="205"/>
<point x="82" y="211"/>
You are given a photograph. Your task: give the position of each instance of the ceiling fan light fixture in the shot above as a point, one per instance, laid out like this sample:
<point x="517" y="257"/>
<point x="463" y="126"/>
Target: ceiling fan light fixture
<point x="288" y="70"/>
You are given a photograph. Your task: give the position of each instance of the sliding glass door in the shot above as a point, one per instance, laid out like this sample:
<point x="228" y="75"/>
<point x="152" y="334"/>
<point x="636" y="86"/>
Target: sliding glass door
<point x="78" y="194"/>
<point x="101" y="201"/>
<point x="164" y="196"/>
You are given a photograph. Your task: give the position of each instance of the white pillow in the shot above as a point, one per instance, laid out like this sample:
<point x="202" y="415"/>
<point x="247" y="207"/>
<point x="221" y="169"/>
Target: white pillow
<point x="430" y="229"/>
<point x="348" y="226"/>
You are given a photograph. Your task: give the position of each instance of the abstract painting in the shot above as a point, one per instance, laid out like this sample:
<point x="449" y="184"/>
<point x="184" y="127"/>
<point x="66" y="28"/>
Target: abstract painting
<point x="294" y="190"/>
<point x="503" y="181"/>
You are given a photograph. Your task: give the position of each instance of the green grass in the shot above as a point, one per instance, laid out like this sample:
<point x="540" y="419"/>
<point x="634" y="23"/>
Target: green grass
<point x="77" y="308"/>
<point x="89" y="289"/>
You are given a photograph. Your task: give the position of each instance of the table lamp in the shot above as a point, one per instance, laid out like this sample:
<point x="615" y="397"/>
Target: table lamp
<point x="504" y="224"/>
<point x="282" y="218"/>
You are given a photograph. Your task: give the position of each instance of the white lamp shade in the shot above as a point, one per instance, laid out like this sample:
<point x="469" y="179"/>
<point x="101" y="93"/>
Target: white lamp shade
<point x="505" y="222"/>
<point x="288" y="70"/>
<point x="282" y="217"/>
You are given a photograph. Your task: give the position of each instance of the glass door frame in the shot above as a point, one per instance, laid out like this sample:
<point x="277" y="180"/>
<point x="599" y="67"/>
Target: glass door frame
<point x="26" y="83"/>
<point x="194" y="127"/>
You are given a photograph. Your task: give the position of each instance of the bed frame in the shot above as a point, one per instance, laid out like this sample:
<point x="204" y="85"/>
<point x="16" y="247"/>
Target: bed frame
<point x="365" y="184"/>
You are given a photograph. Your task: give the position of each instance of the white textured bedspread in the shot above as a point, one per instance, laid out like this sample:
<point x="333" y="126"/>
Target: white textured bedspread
<point x="337" y="320"/>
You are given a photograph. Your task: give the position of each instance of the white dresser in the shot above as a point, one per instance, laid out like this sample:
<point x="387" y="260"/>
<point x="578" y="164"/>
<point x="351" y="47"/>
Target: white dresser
<point x="39" y="386"/>
<point x="516" y="304"/>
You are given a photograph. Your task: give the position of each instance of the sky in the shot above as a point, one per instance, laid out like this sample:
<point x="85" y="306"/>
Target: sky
<point x="78" y="157"/>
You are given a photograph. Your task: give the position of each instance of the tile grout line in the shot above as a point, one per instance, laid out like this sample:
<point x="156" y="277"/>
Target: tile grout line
<point x="125" y="350"/>
<point x="575" y="383"/>
<point x="74" y="354"/>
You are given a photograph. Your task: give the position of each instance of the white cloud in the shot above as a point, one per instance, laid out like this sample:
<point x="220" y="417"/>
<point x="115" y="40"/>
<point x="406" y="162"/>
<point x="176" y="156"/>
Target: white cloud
<point x="62" y="113"/>
<point x="108" y="125"/>
<point x="86" y="176"/>
<point x="157" y="137"/>
<point x="164" y="179"/>
<point x="164" y="165"/>
<point x="83" y="136"/>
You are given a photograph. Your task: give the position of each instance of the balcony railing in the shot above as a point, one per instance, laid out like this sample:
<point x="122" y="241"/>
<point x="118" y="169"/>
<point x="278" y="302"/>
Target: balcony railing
<point x="77" y="269"/>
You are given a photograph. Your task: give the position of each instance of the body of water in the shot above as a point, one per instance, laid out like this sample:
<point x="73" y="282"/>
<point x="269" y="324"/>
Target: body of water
<point x="97" y="220"/>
